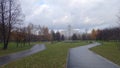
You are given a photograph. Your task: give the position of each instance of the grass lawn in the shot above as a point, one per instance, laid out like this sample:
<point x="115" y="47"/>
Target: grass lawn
<point x="13" y="48"/>
<point x="53" y="57"/>
<point x="109" y="50"/>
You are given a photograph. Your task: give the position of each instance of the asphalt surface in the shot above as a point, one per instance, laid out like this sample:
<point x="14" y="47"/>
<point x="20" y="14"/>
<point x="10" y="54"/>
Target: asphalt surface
<point x="82" y="57"/>
<point x="15" y="56"/>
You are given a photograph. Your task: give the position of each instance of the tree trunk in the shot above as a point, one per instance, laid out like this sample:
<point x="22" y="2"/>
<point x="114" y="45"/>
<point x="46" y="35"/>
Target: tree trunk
<point x="5" y="46"/>
<point x="3" y="26"/>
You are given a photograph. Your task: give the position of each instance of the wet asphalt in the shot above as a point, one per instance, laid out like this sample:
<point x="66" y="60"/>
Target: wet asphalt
<point x="82" y="57"/>
<point x="15" y="56"/>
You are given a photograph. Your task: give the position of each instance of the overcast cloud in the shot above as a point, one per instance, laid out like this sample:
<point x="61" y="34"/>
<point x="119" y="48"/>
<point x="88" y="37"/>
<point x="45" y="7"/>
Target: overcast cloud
<point x="81" y="14"/>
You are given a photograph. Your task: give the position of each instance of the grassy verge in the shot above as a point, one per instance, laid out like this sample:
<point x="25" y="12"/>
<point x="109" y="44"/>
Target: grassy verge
<point x="53" y="57"/>
<point x="109" y="50"/>
<point x="13" y="48"/>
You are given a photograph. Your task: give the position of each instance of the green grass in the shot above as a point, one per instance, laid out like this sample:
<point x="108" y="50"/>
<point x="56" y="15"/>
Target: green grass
<point x="13" y="48"/>
<point x="53" y="57"/>
<point x="109" y="50"/>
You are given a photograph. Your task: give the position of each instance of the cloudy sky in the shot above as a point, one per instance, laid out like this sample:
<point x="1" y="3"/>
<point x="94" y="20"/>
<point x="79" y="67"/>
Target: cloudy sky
<point x="81" y="14"/>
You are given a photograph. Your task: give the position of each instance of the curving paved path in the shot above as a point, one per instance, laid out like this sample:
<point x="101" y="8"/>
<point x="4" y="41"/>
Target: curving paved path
<point x="12" y="57"/>
<point x="82" y="57"/>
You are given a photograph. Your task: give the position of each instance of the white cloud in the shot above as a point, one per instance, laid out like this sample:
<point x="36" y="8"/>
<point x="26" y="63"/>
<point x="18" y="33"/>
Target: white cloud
<point x="41" y="9"/>
<point x="63" y="20"/>
<point x="38" y="11"/>
<point x="87" y="20"/>
<point x="93" y="21"/>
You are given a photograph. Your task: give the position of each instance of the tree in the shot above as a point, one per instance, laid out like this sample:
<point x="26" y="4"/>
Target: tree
<point x="94" y="34"/>
<point x="83" y="36"/>
<point x="53" y="35"/>
<point x="44" y="34"/>
<point x="23" y="34"/>
<point x="119" y="22"/>
<point x="9" y="15"/>
<point x="29" y="32"/>
<point x="62" y="37"/>
<point x="16" y="36"/>
<point x="58" y="36"/>
<point x="74" y="37"/>
<point x="0" y="33"/>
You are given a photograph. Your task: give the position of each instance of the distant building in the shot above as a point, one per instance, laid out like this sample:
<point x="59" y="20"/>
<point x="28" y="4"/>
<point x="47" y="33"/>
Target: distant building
<point x="68" y="33"/>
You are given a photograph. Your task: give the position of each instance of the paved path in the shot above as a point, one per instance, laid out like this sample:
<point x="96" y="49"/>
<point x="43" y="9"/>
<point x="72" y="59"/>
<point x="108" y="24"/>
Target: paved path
<point x="12" y="57"/>
<point x="82" y="57"/>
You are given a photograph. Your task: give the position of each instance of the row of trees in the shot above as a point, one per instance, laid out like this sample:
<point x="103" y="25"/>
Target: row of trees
<point x="25" y="35"/>
<point x="11" y="29"/>
<point x="105" y="34"/>
<point x="56" y="36"/>
<point x="10" y="15"/>
<point x="109" y="34"/>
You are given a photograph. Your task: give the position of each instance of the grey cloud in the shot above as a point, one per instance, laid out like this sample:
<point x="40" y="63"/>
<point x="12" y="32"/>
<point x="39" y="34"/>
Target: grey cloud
<point x="77" y="10"/>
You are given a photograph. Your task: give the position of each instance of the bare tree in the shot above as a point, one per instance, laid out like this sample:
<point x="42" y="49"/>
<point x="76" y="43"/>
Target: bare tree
<point x="118" y="16"/>
<point x="29" y="31"/>
<point x="0" y="33"/>
<point x="10" y="14"/>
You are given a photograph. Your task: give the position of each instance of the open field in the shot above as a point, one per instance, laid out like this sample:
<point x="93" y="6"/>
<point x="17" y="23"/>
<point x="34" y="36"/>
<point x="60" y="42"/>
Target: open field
<point x="109" y="50"/>
<point x="12" y="47"/>
<point x="53" y="57"/>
